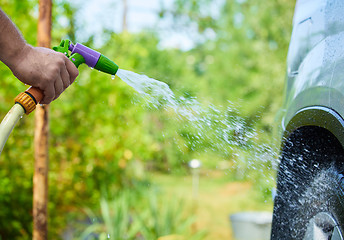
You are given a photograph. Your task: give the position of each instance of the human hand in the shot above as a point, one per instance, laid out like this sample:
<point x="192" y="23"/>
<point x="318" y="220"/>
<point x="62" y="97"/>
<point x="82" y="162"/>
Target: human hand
<point x="50" y="71"/>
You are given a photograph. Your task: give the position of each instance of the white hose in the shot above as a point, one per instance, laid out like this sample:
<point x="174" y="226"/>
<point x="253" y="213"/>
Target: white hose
<point x="8" y="123"/>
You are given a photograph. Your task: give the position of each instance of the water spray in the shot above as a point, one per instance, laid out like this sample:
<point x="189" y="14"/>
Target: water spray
<point x="26" y="101"/>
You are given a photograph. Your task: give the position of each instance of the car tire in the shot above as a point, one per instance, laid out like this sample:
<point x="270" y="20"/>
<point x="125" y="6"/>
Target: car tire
<point x="310" y="187"/>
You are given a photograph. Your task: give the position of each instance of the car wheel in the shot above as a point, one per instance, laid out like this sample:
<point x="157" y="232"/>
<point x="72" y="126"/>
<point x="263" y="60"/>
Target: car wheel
<point x="310" y="188"/>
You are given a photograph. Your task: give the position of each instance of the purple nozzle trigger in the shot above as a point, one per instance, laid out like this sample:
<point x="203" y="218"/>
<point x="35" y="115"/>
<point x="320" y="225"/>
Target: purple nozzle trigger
<point x="91" y="57"/>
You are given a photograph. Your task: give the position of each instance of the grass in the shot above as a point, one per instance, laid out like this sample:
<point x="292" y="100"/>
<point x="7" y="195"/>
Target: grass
<point x="168" y="209"/>
<point x="218" y="197"/>
<point x="141" y="214"/>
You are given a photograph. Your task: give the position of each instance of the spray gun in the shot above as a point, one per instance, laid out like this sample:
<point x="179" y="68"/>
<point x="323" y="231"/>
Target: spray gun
<point x="79" y="54"/>
<point x="26" y="101"/>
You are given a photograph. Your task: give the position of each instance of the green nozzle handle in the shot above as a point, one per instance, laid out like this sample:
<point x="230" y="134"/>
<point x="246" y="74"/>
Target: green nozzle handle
<point x="77" y="59"/>
<point x="64" y="46"/>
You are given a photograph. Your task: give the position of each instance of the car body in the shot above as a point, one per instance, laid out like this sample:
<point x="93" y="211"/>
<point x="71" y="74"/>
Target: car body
<point x="315" y="68"/>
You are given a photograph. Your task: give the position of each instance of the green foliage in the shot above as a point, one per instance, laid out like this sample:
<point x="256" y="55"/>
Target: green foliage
<point x="246" y="60"/>
<point x="13" y="219"/>
<point x="143" y="214"/>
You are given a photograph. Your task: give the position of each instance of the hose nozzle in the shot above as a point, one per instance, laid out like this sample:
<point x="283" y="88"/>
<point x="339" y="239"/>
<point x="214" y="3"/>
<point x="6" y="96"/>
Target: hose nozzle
<point x="82" y="54"/>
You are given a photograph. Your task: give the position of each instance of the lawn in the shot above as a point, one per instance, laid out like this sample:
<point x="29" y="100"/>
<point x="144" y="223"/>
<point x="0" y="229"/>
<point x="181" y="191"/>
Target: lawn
<point x="218" y="197"/>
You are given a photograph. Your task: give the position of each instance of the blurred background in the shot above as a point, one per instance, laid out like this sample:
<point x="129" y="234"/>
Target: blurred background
<point x="119" y="168"/>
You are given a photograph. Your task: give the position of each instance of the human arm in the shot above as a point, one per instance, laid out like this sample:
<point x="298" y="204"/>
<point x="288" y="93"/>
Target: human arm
<point x="50" y="71"/>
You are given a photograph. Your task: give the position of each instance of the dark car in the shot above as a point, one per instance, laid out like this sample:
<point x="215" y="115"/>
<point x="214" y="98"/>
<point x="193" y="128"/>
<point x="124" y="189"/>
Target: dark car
<point x="310" y="184"/>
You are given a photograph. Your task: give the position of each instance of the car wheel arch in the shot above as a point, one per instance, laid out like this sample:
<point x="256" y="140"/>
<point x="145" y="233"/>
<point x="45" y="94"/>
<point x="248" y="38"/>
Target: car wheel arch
<point x="316" y="122"/>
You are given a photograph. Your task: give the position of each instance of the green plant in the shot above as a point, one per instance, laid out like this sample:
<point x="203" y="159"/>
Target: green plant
<point x="145" y="214"/>
<point x="163" y="217"/>
<point x="116" y="219"/>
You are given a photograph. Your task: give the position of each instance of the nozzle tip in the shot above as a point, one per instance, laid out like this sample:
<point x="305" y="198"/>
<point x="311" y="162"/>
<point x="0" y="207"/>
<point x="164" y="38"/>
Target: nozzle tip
<point x="106" y="65"/>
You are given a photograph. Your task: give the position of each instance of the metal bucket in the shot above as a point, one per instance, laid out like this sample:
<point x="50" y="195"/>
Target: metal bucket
<point x="251" y="225"/>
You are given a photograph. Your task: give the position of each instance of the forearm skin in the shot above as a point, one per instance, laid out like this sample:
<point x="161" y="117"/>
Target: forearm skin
<point x="11" y="41"/>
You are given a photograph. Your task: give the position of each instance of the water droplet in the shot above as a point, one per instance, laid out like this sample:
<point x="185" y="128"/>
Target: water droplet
<point x="113" y="77"/>
<point x="91" y="68"/>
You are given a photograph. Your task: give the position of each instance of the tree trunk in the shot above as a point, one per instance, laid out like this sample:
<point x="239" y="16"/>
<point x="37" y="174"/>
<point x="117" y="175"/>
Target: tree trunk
<point x="40" y="177"/>
<point x="125" y="14"/>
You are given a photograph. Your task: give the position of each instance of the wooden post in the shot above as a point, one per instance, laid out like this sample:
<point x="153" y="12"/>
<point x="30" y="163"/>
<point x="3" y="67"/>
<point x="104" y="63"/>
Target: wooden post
<point x="125" y="14"/>
<point x="40" y="177"/>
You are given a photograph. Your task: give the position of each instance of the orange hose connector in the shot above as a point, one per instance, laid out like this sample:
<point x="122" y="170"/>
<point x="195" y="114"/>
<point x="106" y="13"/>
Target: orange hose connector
<point x="29" y="99"/>
<point x="26" y="101"/>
